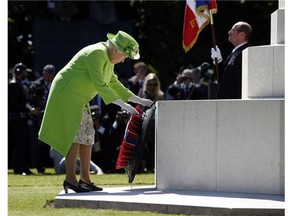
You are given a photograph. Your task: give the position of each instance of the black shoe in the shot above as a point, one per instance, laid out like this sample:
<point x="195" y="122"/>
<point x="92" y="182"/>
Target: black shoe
<point x="91" y="186"/>
<point x="41" y="170"/>
<point x="23" y="172"/>
<point x="19" y="173"/>
<point x="79" y="189"/>
<point x="28" y="172"/>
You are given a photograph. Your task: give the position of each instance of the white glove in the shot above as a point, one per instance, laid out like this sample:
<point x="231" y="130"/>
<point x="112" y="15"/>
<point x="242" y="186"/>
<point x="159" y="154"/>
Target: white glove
<point x="126" y="106"/>
<point x="142" y="101"/>
<point x="216" y="54"/>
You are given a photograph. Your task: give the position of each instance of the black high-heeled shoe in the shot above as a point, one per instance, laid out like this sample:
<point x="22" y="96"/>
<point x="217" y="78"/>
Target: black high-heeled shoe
<point x="91" y="186"/>
<point x="79" y="189"/>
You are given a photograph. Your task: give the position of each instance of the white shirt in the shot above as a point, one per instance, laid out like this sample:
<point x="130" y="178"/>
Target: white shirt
<point x="235" y="48"/>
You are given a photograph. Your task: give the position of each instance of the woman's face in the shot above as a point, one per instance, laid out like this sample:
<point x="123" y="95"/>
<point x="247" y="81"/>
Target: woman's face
<point x="118" y="57"/>
<point x="151" y="85"/>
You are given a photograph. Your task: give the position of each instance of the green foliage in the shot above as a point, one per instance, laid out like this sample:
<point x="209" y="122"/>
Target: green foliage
<point x="158" y="28"/>
<point x="21" y="15"/>
<point x="160" y="36"/>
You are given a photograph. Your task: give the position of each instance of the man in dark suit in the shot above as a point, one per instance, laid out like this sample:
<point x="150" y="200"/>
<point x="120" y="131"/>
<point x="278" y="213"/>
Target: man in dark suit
<point x="135" y="83"/>
<point x="230" y="71"/>
<point x="38" y="95"/>
<point x="18" y="130"/>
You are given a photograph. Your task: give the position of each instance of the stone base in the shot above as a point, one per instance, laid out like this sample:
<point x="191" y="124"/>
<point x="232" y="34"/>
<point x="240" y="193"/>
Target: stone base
<point x="220" y="146"/>
<point x="174" y="201"/>
<point x="263" y="72"/>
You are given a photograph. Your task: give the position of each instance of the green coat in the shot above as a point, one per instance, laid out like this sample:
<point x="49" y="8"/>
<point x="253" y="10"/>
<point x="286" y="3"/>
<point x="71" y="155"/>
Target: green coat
<point x="88" y="73"/>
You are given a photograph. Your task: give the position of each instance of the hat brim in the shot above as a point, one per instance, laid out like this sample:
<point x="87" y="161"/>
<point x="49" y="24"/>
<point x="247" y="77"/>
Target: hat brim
<point x="111" y="36"/>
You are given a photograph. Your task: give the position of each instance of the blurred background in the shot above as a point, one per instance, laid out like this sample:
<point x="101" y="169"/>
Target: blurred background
<point x="42" y="32"/>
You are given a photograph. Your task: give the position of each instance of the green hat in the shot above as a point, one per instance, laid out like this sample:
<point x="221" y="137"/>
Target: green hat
<point x="125" y="43"/>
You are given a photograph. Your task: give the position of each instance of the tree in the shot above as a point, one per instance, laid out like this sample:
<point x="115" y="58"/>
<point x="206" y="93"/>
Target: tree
<point x="158" y="28"/>
<point x="160" y="32"/>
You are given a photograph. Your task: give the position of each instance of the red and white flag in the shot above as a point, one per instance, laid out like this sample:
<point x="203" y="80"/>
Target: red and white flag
<point x="196" y="18"/>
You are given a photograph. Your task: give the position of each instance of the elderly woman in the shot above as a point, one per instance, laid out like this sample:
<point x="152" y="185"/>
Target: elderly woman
<point x="67" y="124"/>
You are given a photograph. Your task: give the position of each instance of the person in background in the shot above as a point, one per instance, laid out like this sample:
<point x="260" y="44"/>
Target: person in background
<point x="60" y="164"/>
<point x="182" y="87"/>
<point x="230" y="71"/>
<point x="18" y="129"/>
<point x="136" y="82"/>
<point x="38" y="94"/>
<point x="200" y="89"/>
<point x="101" y="152"/>
<point x="151" y="88"/>
<point x="117" y="134"/>
<point x="67" y="124"/>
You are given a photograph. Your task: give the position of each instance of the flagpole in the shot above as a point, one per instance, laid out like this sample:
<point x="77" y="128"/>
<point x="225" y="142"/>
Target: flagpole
<point x="214" y="42"/>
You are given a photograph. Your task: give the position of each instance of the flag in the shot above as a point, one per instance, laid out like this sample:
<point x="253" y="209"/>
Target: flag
<point x="196" y="18"/>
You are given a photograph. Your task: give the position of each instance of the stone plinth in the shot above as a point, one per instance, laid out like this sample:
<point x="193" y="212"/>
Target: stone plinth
<point x="263" y="72"/>
<point x="223" y="145"/>
<point x="278" y="27"/>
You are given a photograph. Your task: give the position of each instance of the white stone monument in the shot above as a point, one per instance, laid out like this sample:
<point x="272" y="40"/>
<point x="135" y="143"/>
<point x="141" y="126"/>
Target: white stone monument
<point x="229" y="145"/>
<point x="263" y="66"/>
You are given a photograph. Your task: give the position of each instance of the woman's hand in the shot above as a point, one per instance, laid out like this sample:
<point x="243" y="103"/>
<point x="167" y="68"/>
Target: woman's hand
<point x="126" y="106"/>
<point x="142" y="101"/>
<point x="146" y="102"/>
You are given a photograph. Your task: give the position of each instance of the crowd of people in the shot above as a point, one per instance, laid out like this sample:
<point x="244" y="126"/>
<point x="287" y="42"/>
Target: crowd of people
<point x="108" y="111"/>
<point x="26" y="104"/>
<point x="109" y="125"/>
<point x="27" y="101"/>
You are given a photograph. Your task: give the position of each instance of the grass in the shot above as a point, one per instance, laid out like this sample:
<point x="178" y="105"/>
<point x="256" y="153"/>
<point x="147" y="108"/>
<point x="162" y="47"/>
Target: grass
<point x="34" y="195"/>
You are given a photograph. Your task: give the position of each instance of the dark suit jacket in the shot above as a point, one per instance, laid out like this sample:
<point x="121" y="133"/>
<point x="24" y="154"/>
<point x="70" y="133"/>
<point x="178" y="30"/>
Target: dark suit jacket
<point x="134" y="87"/>
<point x="199" y="93"/>
<point x="16" y="97"/>
<point x="230" y="76"/>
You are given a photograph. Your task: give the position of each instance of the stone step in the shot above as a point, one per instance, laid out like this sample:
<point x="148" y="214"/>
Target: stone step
<point x="148" y="198"/>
